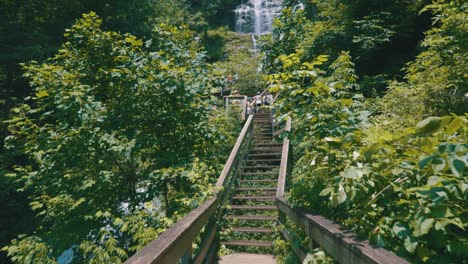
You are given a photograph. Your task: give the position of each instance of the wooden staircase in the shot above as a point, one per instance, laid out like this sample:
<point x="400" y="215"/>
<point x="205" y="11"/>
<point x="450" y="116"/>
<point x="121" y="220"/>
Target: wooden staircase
<point x="253" y="213"/>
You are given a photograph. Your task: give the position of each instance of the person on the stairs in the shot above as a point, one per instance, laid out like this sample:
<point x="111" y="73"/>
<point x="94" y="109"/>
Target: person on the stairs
<point x="257" y="100"/>
<point x="267" y="99"/>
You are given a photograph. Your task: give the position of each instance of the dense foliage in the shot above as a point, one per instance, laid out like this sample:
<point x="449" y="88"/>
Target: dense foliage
<point x="392" y="169"/>
<point x="236" y="54"/>
<point x="102" y="132"/>
<point x="109" y="133"/>
<point x="33" y="30"/>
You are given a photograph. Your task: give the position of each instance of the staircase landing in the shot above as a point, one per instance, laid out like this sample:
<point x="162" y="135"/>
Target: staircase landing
<point x="241" y="258"/>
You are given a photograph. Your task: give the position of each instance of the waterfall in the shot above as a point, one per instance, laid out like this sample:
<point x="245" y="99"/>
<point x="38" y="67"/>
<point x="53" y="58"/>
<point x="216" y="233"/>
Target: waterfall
<point x="256" y="16"/>
<point x="254" y="43"/>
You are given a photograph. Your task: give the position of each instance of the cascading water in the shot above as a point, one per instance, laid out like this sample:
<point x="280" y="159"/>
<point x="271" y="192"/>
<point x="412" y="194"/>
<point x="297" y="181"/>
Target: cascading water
<point x="256" y="16"/>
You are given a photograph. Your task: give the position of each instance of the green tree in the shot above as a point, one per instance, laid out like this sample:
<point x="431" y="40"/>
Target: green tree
<point x="435" y="82"/>
<point x="111" y="133"/>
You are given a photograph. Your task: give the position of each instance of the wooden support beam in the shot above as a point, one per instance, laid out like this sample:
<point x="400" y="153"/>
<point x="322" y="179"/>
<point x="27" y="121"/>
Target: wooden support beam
<point x="207" y="243"/>
<point x="300" y="253"/>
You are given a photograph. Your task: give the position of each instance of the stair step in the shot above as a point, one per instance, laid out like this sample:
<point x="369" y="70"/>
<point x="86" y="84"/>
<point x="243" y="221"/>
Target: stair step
<point x="256" y="181"/>
<point x="259" y="173"/>
<point x="253" y="207"/>
<point x="248" y="243"/>
<point x="255" y="189"/>
<point x="265" y="154"/>
<point x="252" y="217"/>
<point x="265" y="149"/>
<point x="251" y="230"/>
<point x="269" y="144"/>
<point x="261" y="167"/>
<point x="264" y="160"/>
<point x="256" y="198"/>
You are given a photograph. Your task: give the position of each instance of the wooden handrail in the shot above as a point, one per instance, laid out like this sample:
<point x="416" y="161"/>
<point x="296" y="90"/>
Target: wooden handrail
<point x="284" y="165"/>
<point x="176" y="242"/>
<point x="172" y="244"/>
<point x="234" y="153"/>
<point x="343" y="246"/>
<point x="283" y="169"/>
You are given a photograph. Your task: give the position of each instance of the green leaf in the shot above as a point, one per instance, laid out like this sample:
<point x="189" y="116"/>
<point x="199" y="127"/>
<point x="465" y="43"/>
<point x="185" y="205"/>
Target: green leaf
<point x="274" y="89"/>
<point x="400" y="230"/>
<point x="425" y="161"/>
<point x="433" y="180"/>
<point x="410" y="244"/>
<point x="341" y="194"/>
<point x="423" y="253"/>
<point x="438" y="164"/>
<point x="441" y="223"/>
<point x="80" y="201"/>
<point x="352" y="173"/>
<point x="456" y="124"/>
<point x="42" y="93"/>
<point x="332" y="139"/>
<point x="429" y="125"/>
<point x="326" y="191"/>
<point x="423" y="227"/>
<point x="457" y="165"/>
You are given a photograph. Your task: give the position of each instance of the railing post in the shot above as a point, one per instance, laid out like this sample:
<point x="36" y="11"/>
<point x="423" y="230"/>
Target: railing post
<point x="187" y="257"/>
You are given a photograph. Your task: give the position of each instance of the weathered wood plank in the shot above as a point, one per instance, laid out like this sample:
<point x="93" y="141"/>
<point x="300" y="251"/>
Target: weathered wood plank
<point x="278" y="123"/>
<point x="174" y="242"/>
<point x="297" y="249"/>
<point x="279" y="132"/>
<point x="343" y="246"/>
<point x="288" y="124"/>
<point x="283" y="169"/>
<point x="206" y="243"/>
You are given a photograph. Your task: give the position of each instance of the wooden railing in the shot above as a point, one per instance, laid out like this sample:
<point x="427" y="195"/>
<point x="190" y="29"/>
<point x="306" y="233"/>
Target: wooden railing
<point x="175" y="244"/>
<point x="285" y="158"/>
<point x="341" y="245"/>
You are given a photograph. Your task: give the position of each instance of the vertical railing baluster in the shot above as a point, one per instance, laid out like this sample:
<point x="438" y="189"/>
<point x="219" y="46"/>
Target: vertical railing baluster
<point x="187" y="257"/>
